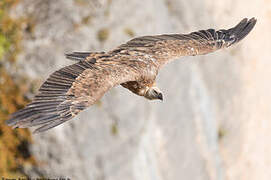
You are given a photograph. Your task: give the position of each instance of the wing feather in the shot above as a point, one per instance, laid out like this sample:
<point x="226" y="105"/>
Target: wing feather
<point x="81" y="56"/>
<point x="68" y="91"/>
<point x="171" y="46"/>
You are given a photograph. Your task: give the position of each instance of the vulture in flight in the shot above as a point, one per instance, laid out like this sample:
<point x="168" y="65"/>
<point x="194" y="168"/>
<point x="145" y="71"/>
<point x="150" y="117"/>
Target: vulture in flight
<point x="133" y="65"/>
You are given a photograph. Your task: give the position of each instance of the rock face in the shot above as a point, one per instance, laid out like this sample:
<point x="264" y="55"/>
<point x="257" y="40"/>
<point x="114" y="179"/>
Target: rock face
<point x="214" y="122"/>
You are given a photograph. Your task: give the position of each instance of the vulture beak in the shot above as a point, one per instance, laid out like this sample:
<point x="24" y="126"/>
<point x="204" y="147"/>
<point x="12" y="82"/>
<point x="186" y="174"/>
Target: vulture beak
<point x="160" y="96"/>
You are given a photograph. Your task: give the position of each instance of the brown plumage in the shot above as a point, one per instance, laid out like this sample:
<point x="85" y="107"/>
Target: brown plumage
<point x="133" y="65"/>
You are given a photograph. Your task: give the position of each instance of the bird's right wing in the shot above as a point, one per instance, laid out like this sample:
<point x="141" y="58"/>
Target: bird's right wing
<point x="70" y="90"/>
<point x="171" y="46"/>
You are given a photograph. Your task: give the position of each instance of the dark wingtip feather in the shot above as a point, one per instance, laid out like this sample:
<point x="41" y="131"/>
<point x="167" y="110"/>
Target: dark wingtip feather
<point x="45" y="120"/>
<point x="240" y="31"/>
<point x="51" y="106"/>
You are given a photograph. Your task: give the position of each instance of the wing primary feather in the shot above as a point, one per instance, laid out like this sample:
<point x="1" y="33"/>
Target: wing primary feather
<point x="21" y="115"/>
<point x="27" y="110"/>
<point x="66" y="74"/>
<point x="41" y="98"/>
<point x="45" y="103"/>
<point x="237" y="33"/>
<point x="48" y="126"/>
<point x="77" y="56"/>
<point x="82" y="56"/>
<point x="42" y="120"/>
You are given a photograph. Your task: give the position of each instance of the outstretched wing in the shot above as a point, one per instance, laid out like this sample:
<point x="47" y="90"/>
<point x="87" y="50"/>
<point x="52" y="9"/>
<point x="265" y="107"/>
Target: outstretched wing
<point x="171" y="46"/>
<point x="70" y="90"/>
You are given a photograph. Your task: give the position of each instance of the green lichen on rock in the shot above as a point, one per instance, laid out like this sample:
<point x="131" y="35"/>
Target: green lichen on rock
<point x="103" y="34"/>
<point x="14" y="144"/>
<point x="4" y="45"/>
<point x="10" y="31"/>
<point x="129" y="32"/>
<point x="221" y="133"/>
<point x="114" y="129"/>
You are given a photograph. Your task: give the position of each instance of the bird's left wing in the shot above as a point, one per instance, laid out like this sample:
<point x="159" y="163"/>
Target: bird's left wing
<point x="166" y="47"/>
<point x="70" y="90"/>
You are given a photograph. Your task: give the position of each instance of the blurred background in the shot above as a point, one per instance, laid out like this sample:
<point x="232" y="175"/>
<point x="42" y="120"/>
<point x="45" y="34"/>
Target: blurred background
<point x="214" y="122"/>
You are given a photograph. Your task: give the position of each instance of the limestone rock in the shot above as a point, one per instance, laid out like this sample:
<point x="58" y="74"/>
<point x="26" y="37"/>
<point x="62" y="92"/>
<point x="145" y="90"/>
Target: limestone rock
<point x="214" y="122"/>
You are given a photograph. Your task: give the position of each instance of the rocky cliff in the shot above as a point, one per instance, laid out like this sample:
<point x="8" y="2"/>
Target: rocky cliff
<point x="214" y="122"/>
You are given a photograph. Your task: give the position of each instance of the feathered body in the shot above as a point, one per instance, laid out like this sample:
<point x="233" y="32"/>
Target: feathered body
<point x="133" y="65"/>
